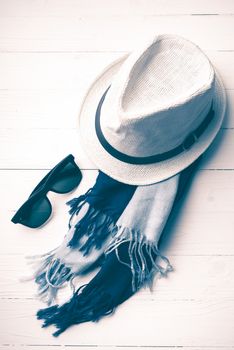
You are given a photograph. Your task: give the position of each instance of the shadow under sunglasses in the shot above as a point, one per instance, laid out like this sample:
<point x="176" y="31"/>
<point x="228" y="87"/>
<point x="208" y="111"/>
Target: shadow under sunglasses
<point x="63" y="178"/>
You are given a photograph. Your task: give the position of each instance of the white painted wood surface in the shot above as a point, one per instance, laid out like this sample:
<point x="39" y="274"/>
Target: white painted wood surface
<point x="50" y="51"/>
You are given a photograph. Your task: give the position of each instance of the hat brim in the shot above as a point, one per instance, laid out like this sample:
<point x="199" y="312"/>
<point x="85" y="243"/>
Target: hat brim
<point x="149" y="173"/>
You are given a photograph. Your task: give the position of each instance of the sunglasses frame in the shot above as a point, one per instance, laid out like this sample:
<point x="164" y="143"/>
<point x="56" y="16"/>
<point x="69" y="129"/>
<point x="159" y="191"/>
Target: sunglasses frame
<point x="43" y="187"/>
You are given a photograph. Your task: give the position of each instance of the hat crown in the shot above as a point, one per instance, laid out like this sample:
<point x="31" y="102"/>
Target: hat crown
<point x="160" y="94"/>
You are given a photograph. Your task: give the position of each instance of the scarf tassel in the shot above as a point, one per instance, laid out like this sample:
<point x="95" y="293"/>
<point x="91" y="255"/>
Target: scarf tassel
<point x="76" y="204"/>
<point x="91" y="231"/>
<point x="52" y="270"/>
<point x="130" y="263"/>
<point x="51" y="275"/>
<point x="142" y="257"/>
<point x="84" y="306"/>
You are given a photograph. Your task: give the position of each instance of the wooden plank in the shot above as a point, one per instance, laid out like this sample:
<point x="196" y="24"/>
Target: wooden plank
<point x="108" y="32"/>
<point x="207" y="277"/>
<point x="43" y="72"/>
<point x="38" y="109"/>
<point x="76" y="71"/>
<point x="202" y="225"/>
<point x="204" y="322"/>
<point x="229" y="117"/>
<point x="68" y="8"/>
<point x="109" y="347"/>
<point x="35" y="148"/>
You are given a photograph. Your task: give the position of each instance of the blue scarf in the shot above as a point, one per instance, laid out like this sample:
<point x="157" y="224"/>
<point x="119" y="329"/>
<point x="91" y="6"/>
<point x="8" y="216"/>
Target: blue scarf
<point x="83" y="246"/>
<point x="129" y="258"/>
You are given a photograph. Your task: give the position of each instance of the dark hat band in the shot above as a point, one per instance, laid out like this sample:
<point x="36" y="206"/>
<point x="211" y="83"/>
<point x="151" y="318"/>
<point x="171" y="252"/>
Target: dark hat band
<point x="185" y="146"/>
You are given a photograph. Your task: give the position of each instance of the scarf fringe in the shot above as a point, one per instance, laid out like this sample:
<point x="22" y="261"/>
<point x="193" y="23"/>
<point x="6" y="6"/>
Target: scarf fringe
<point x="76" y="203"/>
<point x="52" y="272"/>
<point x="91" y="302"/>
<point x="51" y="275"/>
<point x="87" y="304"/>
<point x="139" y="249"/>
<point x="95" y="225"/>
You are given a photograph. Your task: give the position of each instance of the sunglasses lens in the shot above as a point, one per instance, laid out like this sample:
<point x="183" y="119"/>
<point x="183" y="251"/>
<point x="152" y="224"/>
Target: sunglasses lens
<point x="63" y="178"/>
<point x="67" y="179"/>
<point x="35" y="215"/>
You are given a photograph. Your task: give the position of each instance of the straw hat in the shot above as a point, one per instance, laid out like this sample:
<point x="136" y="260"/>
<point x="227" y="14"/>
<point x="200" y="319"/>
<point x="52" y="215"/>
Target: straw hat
<point x="153" y="112"/>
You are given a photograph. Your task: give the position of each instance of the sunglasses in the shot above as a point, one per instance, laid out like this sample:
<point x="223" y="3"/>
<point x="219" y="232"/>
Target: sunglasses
<point x="63" y="178"/>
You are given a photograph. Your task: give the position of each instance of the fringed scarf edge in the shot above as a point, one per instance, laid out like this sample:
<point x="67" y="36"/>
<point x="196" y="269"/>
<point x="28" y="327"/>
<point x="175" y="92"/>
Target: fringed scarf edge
<point x="139" y="249"/>
<point x="52" y="271"/>
<point x="142" y="262"/>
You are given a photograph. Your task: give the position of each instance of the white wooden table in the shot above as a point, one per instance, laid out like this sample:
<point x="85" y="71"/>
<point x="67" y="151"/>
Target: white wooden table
<point x="50" y="51"/>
